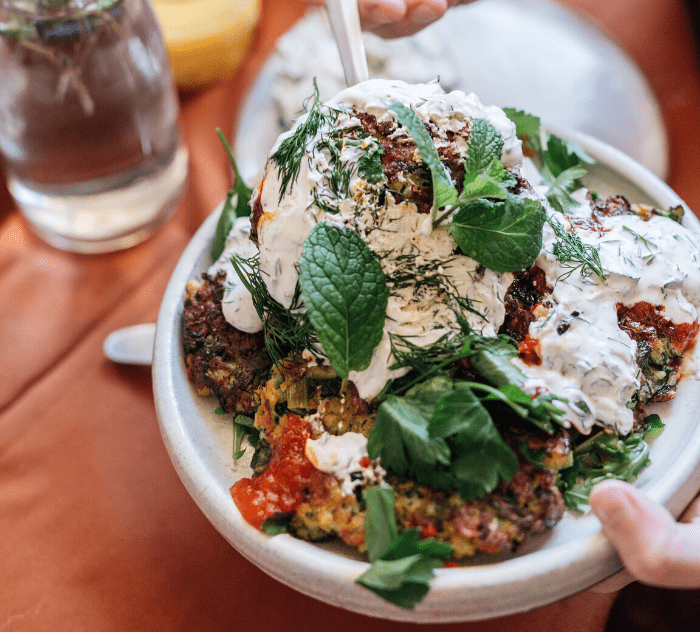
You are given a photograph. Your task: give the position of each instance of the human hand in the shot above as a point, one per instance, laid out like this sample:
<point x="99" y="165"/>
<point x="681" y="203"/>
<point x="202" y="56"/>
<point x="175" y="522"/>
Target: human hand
<point x="655" y="549"/>
<point x="397" y="18"/>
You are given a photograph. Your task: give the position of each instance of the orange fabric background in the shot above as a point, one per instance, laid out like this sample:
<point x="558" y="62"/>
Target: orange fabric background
<point x="96" y="531"/>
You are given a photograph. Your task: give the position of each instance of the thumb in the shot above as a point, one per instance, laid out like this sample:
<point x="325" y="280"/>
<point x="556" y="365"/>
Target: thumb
<point x="654" y="548"/>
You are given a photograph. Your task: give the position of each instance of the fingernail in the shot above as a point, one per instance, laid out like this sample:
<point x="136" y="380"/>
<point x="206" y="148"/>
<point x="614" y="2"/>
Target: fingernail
<point x="612" y="504"/>
<point x="424" y="15"/>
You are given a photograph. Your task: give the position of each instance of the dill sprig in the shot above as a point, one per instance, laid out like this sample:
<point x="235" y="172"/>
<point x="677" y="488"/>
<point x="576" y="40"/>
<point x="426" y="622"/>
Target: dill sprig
<point x="490" y="362"/>
<point x="287" y="330"/>
<point x="340" y="174"/>
<point x="429" y="274"/>
<point x="573" y="254"/>
<point x="642" y="238"/>
<point x="427" y="362"/>
<point x="292" y="149"/>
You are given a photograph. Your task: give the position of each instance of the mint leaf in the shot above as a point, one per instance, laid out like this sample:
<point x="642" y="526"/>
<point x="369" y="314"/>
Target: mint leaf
<point x="229" y="213"/>
<point x="484" y="174"/>
<point x="527" y="127"/>
<point x="485" y="146"/>
<point x="444" y="192"/>
<point x="504" y="236"/>
<point x="402" y="571"/>
<point x="492" y="183"/>
<point x="344" y="290"/>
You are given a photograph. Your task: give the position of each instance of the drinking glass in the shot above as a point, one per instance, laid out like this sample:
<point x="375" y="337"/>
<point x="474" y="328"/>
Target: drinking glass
<point x="89" y="127"/>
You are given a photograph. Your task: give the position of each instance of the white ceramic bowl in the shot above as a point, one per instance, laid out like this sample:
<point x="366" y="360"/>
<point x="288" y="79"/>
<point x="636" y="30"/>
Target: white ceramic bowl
<point x="571" y="558"/>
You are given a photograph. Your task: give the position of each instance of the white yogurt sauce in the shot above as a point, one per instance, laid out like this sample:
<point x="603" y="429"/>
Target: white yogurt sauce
<point x="237" y="303"/>
<point x="592" y="363"/>
<point x="396" y="229"/>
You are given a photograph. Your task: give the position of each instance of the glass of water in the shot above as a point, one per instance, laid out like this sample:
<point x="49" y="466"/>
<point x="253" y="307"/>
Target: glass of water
<point x="89" y="128"/>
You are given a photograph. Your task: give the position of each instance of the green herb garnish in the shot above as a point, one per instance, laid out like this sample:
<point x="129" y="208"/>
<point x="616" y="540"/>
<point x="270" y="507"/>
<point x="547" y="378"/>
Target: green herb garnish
<point x="561" y="161"/>
<point x="441" y="434"/>
<point x="561" y="188"/>
<point x="345" y="292"/>
<point x="528" y="129"/>
<point x="484" y="174"/>
<point x="401" y="564"/>
<point x="292" y="149"/>
<point x="287" y="330"/>
<point x="573" y="254"/>
<point x="490" y="359"/>
<point x="444" y="192"/>
<point x="243" y="427"/>
<point x="276" y="524"/>
<point x="605" y="456"/>
<point x="229" y="213"/>
<point x="369" y="164"/>
<point x="503" y="235"/>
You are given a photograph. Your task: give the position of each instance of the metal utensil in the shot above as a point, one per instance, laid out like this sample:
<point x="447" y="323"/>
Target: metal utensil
<point x="131" y="345"/>
<point x="344" y="17"/>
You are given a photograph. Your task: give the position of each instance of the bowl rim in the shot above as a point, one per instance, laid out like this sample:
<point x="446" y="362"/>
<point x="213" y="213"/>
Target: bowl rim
<point x="461" y="594"/>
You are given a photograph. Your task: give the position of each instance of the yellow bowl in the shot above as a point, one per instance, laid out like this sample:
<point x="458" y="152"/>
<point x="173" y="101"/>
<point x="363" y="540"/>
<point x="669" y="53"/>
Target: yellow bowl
<point x="206" y="39"/>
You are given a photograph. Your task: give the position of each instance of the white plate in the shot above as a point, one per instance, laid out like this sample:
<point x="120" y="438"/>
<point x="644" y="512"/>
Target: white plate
<point x="533" y="54"/>
<point x="571" y="558"/>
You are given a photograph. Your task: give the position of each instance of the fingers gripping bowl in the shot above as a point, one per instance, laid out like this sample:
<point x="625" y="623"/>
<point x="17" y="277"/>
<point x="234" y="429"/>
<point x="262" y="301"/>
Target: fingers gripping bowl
<point x="547" y="566"/>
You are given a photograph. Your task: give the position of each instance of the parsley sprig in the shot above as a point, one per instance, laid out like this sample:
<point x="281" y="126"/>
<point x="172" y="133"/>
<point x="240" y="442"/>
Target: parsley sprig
<point x="561" y="161"/>
<point x="402" y="565"/>
<point x="562" y="164"/>
<point x="440" y="431"/>
<point x="489" y="359"/>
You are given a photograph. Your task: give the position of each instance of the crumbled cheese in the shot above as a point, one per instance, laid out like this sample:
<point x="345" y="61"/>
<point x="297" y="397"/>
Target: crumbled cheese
<point x="345" y="457"/>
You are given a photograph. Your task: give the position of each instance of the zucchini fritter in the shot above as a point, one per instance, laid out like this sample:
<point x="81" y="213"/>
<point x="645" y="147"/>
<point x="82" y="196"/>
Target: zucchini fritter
<point x="220" y="359"/>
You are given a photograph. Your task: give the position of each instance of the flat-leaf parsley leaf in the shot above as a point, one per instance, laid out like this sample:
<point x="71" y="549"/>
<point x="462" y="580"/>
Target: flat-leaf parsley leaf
<point x="402" y="565"/>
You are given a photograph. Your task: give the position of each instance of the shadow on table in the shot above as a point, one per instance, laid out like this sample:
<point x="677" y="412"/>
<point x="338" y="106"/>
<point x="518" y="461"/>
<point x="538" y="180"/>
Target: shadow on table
<point x="643" y="609"/>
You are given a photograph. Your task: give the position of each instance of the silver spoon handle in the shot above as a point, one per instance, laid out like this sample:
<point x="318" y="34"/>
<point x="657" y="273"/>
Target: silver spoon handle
<point x="344" y="17"/>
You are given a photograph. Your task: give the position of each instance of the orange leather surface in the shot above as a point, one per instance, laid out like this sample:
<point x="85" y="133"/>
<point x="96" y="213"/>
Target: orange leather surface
<point x="97" y="533"/>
